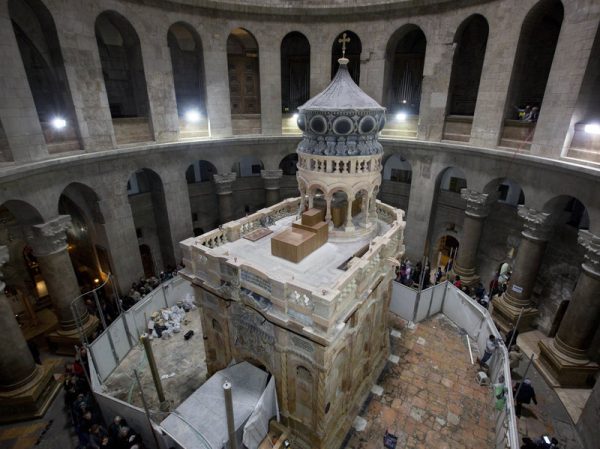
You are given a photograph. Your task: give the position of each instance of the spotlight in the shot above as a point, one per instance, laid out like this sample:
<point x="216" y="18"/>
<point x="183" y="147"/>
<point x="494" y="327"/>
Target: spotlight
<point x="96" y="281"/>
<point x="401" y="116"/>
<point x="192" y="116"/>
<point x="404" y="101"/>
<point x="295" y="116"/>
<point x="59" y="123"/>
<point x="592" y="128"/>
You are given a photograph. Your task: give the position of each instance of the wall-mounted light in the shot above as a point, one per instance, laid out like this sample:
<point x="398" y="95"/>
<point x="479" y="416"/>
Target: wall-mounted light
<point x="401" y="116"/>
<point x="295" y="116"/>
<point x="193" y="116"/>
<point x="59" y="123"/>
<point x="592" y="128"/>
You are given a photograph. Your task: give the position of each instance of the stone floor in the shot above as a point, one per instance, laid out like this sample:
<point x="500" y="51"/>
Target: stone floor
<point x="181" y="364"/>
<point x="430" y="398"/>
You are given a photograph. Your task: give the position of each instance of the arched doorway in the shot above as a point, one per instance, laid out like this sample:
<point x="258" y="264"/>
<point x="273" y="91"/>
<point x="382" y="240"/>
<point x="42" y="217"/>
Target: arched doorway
<point x="40" y="50"/>
<point x="147" y="261"/>
<point x="124" y="78"/>
<point x="187" y="60"/>
<point x="467" y="64"/>
<point x="244" y="82"/>
<point x="353" y="47"/>
<point x="535" y="53"/>
<point x="397" y="178"/>
<point x="203" y="197"/>
<point x="148" y="208"/>
<point x="447" y="249"/>
<point x="289" y="183"/>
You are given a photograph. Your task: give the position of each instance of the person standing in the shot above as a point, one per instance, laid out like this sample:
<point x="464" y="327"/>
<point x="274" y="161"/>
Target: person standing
<point x="514" y="357"/>
<point x="490" y="347"/>
<point x="525" y="395"/>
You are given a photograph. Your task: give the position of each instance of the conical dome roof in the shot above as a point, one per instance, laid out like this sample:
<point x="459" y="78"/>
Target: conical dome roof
<point x="342" y="120"/>
<point x="342" y="93"/>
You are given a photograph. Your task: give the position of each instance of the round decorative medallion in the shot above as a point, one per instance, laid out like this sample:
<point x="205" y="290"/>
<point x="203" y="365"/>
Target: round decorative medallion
<point x="343" y="125"/>
<point x="318" y="124"/>
<point x="301" y="121"/>
<point x="366" y="124"/>
<point x="381" y="122"/>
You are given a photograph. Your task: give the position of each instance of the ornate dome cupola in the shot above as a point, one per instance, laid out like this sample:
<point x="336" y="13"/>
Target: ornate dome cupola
<point x="339" y="157"/>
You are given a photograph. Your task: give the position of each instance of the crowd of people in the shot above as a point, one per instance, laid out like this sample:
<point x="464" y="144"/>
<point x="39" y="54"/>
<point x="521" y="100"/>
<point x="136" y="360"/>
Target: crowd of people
<point x="85" y="416"/>
<point x="528" y="113"/>
<point x="145" y="285"/>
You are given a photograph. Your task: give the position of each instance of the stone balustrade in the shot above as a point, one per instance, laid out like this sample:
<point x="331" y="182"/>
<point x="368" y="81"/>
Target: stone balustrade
<point x="340" y="164"/>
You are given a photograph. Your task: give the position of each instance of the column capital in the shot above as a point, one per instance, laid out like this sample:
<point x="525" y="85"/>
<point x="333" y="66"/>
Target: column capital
<point x="50" y="237"/>
<point x="477" y="203"/>
<point x="224" y="182"/>
<point x="591" y="243"/>
<point x="271" y="178"/>
<point x="536" y="224"/>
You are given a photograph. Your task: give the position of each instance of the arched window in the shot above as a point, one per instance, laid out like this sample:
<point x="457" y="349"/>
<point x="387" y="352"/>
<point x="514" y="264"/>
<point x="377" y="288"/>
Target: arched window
<point x="295" y="71"/>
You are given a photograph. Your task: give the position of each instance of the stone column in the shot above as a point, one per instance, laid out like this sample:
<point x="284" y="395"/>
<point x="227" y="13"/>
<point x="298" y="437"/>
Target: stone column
<point x="272" y="180"/>
<point x="349" y="225"/>
<point x="565" y="358"/>
<point x="49" y="243"/>
<point x="477" y="210"/>
<point x="16" y="364"/>
<point x="17" y="110"/>
<point x="534" y="236"/>
<point x="223" y="184"/>
<point x="26" y="389"/>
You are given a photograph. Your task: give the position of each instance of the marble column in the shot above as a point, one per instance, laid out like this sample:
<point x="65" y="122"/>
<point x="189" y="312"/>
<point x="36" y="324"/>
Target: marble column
<point x="349" y="227"/>
<point x="26" y="389"/>
<point x="534" y="236"/>
<point x="49" y="243"/>
<point x="16" y="364"/>
<point x="224" y="186"/>
<point x="565" y="358"/>
<point x="272" y="180"/>
<point x="477" y="210"/>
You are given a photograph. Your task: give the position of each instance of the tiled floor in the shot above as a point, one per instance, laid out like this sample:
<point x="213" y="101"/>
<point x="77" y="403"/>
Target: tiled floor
<point x="23" y="436"/>
<point x="430" y="398"/>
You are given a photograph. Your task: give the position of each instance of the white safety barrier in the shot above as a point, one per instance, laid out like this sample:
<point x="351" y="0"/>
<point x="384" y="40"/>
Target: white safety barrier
<point x="112" y="345"/>
<point x="476" y="321"/>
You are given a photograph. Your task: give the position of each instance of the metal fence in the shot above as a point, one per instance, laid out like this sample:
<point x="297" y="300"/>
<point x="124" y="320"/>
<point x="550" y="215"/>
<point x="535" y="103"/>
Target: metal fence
<point x="416" y="306"/>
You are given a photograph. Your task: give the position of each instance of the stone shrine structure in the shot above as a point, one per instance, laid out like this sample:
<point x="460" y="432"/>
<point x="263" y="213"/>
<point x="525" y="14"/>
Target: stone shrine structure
<point x="319" y="325"/>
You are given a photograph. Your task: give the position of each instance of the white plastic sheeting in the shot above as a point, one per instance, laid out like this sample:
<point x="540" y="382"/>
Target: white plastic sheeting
<point x="257" y="426"/>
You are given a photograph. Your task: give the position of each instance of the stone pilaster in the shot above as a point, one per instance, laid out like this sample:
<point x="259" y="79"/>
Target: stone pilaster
<point x="564" y="360"/>
<point x="224" y="187"/>
<point x="272" y="180"/>
<point x="218" y="106"/>
<point x="49" y="243"/>
<point x="269" y="59"/>
<point x="535" y="234"/>
<point x="477" y="210"/>
<point x="26" y="389"/>
<point x="17" y="110"/>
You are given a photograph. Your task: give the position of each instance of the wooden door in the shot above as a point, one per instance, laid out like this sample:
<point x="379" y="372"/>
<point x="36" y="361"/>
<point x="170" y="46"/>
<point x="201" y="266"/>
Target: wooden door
<point x="244" y="85"/>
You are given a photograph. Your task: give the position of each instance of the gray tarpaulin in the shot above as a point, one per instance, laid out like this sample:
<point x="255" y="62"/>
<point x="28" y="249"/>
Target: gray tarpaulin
<point x="257" y="426"/>
<point x="200" y="421"/>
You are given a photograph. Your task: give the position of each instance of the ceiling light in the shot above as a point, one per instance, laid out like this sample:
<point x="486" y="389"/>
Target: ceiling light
<point x="59" y="123"/>
<point x="592" y="128"/>
<point x="192" y="116"/>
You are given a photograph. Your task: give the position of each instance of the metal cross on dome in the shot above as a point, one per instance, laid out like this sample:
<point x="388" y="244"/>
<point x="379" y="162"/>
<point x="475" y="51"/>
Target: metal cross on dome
<point x="344" y="40"/>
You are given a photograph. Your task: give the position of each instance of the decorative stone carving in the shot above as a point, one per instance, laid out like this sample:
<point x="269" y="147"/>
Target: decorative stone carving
<point x="302" y="300"/>
<point x="50" y="237"/>
<point x="477" y="203"/>
<point x="591" y="243"/>
<point x="271" y="178"/>
<point x="223" y="182"/>
<point x="536" y="224"/>
<point x="252" y="333"/>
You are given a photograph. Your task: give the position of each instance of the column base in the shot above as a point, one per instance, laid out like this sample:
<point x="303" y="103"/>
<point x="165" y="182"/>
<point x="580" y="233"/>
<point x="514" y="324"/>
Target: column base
<point x="561" y="371"/>
<point x="63" y="342"/>
<point x="469" y="277"/>
<point x="505" y="314"/>
<point x="32" y="400"/>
